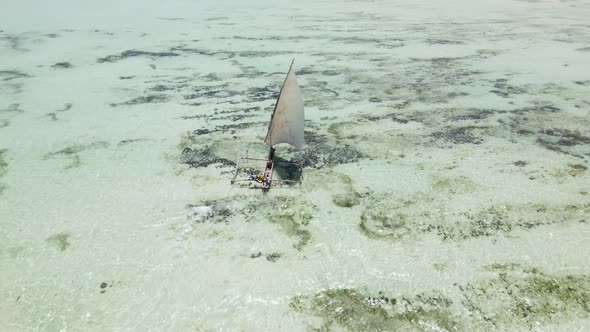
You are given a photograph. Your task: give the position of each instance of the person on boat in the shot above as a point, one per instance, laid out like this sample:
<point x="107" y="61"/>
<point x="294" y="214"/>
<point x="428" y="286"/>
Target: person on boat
<point x="260" y="177"/>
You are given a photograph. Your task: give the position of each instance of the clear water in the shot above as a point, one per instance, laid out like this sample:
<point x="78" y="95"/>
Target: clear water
<point x="446" y="182"/>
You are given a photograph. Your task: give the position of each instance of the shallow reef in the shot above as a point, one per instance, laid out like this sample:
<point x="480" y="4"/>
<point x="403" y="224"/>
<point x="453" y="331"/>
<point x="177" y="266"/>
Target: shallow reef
<point x="383" y="221"/>
<point x="271" y="257"/>
<point x="320" y="152"/>
<point x="526" y="296"/>
<point x="505" y="90"/>
<point x="511" y="296"/>
<point x="72" y="152"/>
<point x="150" y="99"/>
<point x="576" y="169"/>
<point x="395" y="219"/>
<point x="347" y="199"/>
<point x="549" y="127"/>
<point x="12" y="109"/>
<point x="9" y="112"/>
<point x="292" y="223"/>
<point x="104" y="286"/>
<point x="3" y="168"/>
<point x="130" y="141"/>
<point x="356" y="310"/>
<point x="62" y="65"/>
<point x="454" y="185"/>
<point x="220" y="91"/>
<point x="74" y="163"/>
<point x="222" y="209"/>
<point x="458" y="135"/>
<point x="135" y="53"/>
<point x="60" y="241"/>
<point x="200" y="155"/>
<point x="3" y="163"/>
<point x="76" y="148"/>
<point x="436" y="41"/>
<point x="562" y="140"/>
<point x="292" y="215"/>
<point x="53" y="115"/>
<point x="257" y="94"/>
<point x="67" y="107"/>
<point x="7" y="75"/>
<point x="223" y="93"/>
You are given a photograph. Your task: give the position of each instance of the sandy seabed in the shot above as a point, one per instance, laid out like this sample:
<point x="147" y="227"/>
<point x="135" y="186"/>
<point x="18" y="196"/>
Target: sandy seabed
<point x="446" y="182"/>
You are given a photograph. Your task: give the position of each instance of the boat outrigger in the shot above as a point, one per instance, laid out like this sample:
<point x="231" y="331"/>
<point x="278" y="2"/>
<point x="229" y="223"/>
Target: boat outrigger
<point x="286" y="126"/>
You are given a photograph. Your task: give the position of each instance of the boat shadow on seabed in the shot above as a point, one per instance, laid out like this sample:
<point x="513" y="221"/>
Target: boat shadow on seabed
<point x="278" y="171"/>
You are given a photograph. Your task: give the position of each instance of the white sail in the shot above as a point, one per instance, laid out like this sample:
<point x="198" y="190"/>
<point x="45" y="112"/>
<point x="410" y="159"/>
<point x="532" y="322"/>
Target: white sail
<point x="287" y="121"/>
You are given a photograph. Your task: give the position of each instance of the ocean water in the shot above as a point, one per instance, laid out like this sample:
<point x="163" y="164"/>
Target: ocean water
<point x="446" y="183"/>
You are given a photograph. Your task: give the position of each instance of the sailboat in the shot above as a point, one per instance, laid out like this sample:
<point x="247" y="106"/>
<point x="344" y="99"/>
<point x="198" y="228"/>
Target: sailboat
<point x="286" y="126"/>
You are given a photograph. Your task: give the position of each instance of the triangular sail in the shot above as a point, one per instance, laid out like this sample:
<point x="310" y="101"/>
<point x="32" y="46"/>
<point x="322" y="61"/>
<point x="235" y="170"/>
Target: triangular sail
<point x="287" y="121"/>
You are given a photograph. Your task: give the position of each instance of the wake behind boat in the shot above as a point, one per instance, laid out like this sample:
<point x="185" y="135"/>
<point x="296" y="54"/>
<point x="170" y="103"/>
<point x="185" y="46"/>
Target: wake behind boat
<point x="286" y="126"/>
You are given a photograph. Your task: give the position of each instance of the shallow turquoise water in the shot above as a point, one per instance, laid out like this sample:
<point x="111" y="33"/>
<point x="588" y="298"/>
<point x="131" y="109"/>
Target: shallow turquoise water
<point x="446" y="166"/>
